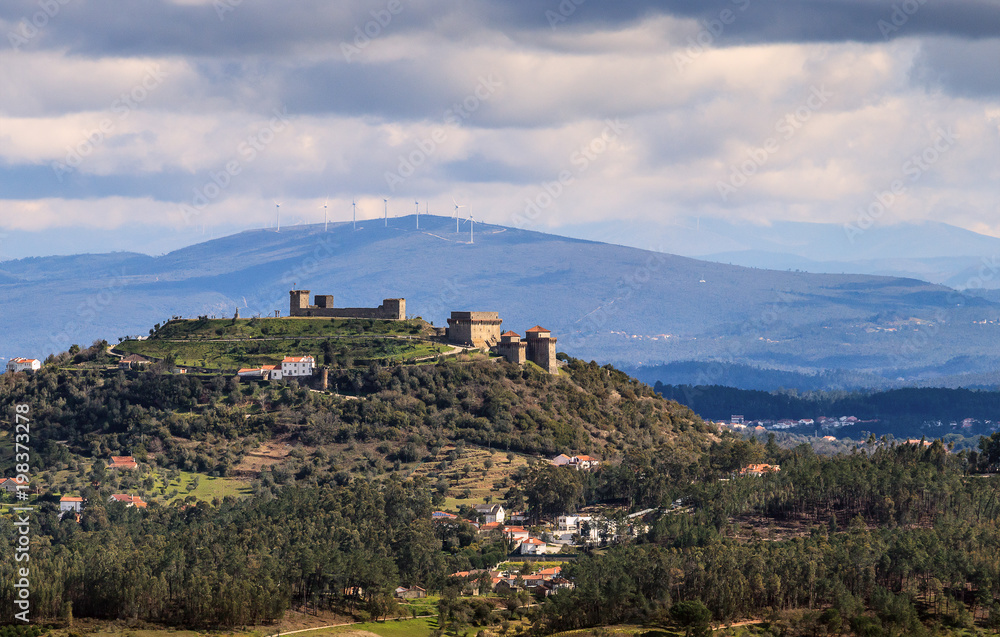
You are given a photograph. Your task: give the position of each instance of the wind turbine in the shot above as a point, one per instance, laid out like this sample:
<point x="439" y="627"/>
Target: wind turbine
<point x="386" y="212"/>
<point x="354" y="205"/>
<point x="417" y="204"/>
<point x="277" y="216"/>
<point x="472" y="228"/>
<point x="456" y="214"/>
<point x="325" y="220"/>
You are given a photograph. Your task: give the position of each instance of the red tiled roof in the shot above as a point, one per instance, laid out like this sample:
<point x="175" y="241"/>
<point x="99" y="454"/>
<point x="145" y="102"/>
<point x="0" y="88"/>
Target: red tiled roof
<point x="23" y="360"/>
<point x="123" y="461"/>
<point x="71" y="498"/>
<point x="269" y="367"/>
<point x="510" y="333"/>
<point x="296" y="359"/>
<point x="538" y="328"/>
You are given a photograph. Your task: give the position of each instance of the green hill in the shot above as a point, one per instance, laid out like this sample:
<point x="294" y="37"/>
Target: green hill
<point x="229" y="344"/>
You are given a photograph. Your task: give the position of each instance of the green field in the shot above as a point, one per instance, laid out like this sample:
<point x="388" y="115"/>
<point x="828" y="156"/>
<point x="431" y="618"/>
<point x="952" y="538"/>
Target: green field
<point x="208" y="487"/>
<point x="225" y="344"/>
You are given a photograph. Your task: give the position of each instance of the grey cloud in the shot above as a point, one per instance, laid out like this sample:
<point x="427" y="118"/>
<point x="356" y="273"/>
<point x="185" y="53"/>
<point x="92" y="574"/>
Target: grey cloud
<point x="959" y="67"/>
<point x="163" y="28"/>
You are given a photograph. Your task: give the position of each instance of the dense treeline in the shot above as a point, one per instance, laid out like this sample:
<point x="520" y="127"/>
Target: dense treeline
<point x="416" y="408"/>
<point x="886" y="540"/>
<point x="242" y="562"/>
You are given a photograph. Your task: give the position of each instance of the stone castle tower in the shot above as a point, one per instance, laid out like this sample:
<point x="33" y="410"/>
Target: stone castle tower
<point x="476" y="329"/>
<point x="542" y="349"/>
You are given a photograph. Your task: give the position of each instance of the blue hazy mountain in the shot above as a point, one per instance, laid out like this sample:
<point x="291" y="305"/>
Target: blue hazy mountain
<point x="602" y="301"/>
<point x="930" y="251"/>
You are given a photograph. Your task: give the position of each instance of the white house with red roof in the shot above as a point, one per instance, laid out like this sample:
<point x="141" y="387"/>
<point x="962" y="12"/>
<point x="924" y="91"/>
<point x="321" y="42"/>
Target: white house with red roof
<point x="24" y="365"/>
<point x="69" y="503"/>
<point x="297" y="366"/>
<point x="532" y="546"/>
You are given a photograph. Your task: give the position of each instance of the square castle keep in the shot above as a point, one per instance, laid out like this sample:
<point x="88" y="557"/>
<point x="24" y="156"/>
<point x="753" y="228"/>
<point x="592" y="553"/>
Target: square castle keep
<point x="391" y="309"/>
<point x="482" y="329"/>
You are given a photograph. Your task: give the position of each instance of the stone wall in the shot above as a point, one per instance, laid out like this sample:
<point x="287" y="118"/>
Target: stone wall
<point x="542" y="352"/>
<point x="476" y="329"/>
<point x="391" y="309"/>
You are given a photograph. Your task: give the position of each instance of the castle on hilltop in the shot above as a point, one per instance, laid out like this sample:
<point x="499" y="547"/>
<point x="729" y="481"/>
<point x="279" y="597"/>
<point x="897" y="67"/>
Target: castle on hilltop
<point x="469" y="329"/>
<point x="391" y="309"/>
<point x="482" y="329"/>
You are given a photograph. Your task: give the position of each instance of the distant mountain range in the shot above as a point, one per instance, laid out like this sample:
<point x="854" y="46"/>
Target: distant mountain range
<point x="931" y="251"/>
<point x="605" y="302"/>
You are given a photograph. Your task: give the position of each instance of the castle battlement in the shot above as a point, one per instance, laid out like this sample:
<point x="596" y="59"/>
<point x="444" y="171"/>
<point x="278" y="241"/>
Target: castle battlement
<point x="298" y="305"/>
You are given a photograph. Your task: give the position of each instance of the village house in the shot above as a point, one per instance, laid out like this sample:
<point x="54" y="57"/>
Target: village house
<point x="24" y="365"/>
<point x="561" y="460"/>
<point x="69" y="503"/>
<point x="583" y="462"/>
<point x="443" y="516"/>
<point x="412" y="592"/>
<point x="129" y="500"/>
<point x="10" y="484"/>
<point x="293" y="366"/>
<point x="490" y="512"/>
<point x="532" y="546"/>
<point x="572" y="523"/>
<point x="123" y="463"/>
<point x="133" y="361"/>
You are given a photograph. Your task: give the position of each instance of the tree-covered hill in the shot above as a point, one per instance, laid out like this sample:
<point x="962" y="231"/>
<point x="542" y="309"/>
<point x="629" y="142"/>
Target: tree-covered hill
<point x="209" y="424"/>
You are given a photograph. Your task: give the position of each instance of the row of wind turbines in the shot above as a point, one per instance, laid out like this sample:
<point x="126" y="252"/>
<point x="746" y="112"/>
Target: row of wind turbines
<point x="354" y="206"/>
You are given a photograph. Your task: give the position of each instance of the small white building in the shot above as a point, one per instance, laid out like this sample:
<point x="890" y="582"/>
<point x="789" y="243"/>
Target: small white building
<point x="533" y="546"/>
<point x="572" y="522"/>
<point x="491" y="512"/>
<point x="70" y="503"/>
<point x="24" y="365"/>
<point x="297" y="366"/>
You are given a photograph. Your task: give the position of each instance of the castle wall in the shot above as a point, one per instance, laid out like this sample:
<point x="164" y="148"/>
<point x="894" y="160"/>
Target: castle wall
<point x="513" y="351"/>
<point x="478" y="329"/>
<point x="391" y="309"/>
<point x="542" y="352"/>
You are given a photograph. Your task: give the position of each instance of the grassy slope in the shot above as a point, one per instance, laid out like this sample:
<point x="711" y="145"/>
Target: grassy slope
<point x="230" y="344"/>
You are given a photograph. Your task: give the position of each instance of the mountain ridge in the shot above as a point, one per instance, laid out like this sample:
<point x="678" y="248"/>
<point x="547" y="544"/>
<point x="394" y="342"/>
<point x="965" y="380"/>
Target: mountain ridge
<point x="612" y="303"/>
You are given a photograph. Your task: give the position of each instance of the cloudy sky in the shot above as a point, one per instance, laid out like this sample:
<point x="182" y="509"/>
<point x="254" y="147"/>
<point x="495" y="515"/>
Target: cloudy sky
<point x="152" y="125"/>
